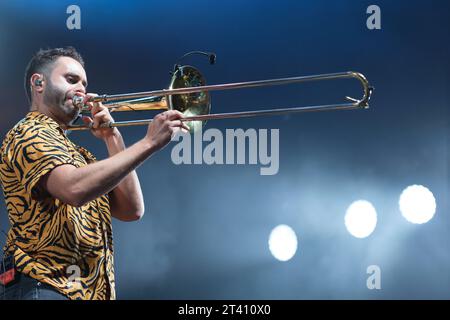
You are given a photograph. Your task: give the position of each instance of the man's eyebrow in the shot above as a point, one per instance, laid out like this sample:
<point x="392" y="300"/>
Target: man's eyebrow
<point x="70" y="74"/>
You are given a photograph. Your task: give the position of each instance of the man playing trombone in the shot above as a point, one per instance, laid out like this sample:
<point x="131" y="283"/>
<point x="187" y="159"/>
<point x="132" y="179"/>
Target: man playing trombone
<point x="60" y="200"/>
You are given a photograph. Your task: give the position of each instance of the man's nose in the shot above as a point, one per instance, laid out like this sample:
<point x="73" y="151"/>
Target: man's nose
<point x="80" y="89"/>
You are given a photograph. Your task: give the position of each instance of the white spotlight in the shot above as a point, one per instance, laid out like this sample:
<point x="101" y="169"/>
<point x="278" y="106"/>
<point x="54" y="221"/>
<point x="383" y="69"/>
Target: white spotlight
<point x="361" y="219"/>
<point x="417" y="204"/>
<point x="283" y="242"/>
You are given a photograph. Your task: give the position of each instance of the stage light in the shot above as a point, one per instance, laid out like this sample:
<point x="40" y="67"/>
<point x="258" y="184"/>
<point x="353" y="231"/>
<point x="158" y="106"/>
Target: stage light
<point x="361" y="219"/>
<point x="283" y="242"/>
<point x="417" y="204"/>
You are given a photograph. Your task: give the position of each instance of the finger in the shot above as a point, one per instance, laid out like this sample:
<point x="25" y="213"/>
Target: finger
<point x="87" y="121"/>
<point x="184" y="126"/>
<point x="95" y="107"/>
<point x="97" y="119"/>
<point x="174" y="114"/>
<point x="89" y="106"/>
<point x="166" y="115"/>
<point x="160" y="117"/>
<point x="104" y="114"/>
<point x="86" y="97"/>
<point x="180" y="124"/>
<point x="101" y="117"/>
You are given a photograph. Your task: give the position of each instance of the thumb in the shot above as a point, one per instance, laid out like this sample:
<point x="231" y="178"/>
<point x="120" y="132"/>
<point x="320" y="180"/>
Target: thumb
<point x="87" y="120"/>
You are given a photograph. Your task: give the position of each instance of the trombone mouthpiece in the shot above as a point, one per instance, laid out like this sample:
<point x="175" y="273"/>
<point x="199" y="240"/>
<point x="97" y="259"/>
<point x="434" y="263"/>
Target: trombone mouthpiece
<point x="78" y="101"/>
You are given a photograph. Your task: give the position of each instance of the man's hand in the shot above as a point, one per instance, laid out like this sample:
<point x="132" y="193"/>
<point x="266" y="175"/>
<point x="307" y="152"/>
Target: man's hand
<point x="163" y="127"/>
<point x="100" y="115"/>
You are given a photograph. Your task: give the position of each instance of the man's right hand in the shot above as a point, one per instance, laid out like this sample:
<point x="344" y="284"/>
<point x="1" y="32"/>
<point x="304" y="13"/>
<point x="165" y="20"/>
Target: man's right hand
<point x="163" y="127"/>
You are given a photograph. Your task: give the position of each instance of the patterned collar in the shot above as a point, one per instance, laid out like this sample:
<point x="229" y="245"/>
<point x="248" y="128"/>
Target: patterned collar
<point x="41" y="117"/>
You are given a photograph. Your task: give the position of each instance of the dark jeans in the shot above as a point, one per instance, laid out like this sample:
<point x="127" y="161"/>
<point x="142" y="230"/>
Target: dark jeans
<point x="27" y="288"/>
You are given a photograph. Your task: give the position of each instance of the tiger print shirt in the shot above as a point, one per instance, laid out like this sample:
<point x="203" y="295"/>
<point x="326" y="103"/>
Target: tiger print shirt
<point x="69" y="248"/>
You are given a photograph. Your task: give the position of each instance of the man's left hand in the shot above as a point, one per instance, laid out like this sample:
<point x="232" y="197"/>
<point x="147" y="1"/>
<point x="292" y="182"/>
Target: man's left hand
<point x="100" y="115"/>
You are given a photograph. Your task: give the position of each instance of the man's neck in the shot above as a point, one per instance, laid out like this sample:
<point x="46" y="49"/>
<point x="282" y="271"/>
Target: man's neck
<point x="48" y="112"/>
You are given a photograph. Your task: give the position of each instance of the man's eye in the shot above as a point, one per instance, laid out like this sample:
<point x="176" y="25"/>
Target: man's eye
<point x="71" y="80"/>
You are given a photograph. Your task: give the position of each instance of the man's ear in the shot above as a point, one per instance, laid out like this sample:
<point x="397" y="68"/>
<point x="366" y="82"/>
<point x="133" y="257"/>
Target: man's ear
<point x="37" y="82"/>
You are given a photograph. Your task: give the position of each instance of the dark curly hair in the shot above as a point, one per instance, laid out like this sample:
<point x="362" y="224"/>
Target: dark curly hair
<point x="42" y="59"/>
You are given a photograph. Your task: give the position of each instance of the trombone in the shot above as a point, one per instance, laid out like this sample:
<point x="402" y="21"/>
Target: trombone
<point x="189" y="94"/>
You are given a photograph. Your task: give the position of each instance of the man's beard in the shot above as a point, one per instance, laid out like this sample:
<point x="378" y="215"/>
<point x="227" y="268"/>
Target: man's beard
<point x="56" y="99"/>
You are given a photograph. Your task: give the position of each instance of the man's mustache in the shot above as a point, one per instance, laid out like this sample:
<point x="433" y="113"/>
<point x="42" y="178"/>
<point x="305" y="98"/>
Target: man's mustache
<point x="70" y="95"/>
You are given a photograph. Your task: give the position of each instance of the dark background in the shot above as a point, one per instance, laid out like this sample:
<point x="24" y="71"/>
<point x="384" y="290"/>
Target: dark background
<point x="205" y="232"/>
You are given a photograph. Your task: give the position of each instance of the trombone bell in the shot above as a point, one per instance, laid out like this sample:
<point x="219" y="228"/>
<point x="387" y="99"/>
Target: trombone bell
<point x="190" y="104"/>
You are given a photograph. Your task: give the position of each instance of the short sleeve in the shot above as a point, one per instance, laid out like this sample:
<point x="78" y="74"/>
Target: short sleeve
<point x="35" y="151"/>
